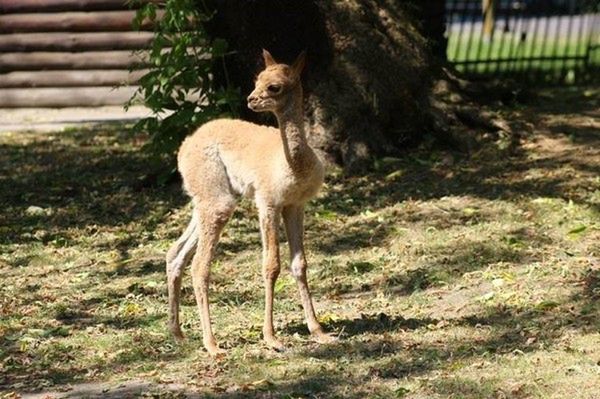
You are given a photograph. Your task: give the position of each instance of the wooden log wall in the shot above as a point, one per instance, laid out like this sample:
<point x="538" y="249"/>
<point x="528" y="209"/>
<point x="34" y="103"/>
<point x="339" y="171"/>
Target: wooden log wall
<point x="61" y="53"/>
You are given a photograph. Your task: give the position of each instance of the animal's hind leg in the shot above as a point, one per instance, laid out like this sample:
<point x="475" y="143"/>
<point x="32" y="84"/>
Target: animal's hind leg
<point x="211" y="223"/>
<point x="178" y="256"/>
<point x="214" y="201"/>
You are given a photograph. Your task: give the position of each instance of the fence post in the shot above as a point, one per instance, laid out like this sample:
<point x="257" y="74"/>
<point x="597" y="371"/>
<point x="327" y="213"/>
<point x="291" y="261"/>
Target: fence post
<point x="488" y="8"/>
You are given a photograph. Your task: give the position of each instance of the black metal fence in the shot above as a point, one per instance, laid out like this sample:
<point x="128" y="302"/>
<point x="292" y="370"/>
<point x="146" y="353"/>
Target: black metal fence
<point x="535" y="40"/>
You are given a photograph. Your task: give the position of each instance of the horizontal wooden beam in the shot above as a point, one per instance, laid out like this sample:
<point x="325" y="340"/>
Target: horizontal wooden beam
<point x="58" y="60"/>
<point x="15" y="6"/>
<point x="75" y="41"/>
<point x="65" y="97"/>
<point x="101" y="21"/>
<point x="70" y="78"/>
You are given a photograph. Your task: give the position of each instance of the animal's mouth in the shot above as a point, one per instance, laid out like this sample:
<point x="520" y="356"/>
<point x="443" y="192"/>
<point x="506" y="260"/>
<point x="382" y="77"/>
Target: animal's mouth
<point x="257" y="106"/>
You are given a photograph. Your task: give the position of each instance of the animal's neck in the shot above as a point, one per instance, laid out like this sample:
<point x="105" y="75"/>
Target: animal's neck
<point x="291" y="125"/>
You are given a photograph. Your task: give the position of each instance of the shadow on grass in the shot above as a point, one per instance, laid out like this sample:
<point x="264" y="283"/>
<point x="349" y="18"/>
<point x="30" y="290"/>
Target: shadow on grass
<point x="130" y="389"/>
<point x="330" y="384"/>
<point x="591" y="284"/>
<point x="501" y="179"/>
<point x="511" y="332"/>
<point x="82" y="320"/>
<point x="442" y="265"/>
<point x="46" y="360"/>
<point x="354" y="236"/>
<point x="468" y="388"/>
<point x="90" y="177"/>
<point x="497" y="174"/>
<point x="446" y="263"/>
<point x="375" y="324"/>
<point x="567" y="100"/>
<point x="577" y="134"/>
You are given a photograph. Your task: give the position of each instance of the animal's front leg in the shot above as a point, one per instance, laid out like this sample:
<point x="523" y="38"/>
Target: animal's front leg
<point x="294" y="226"/>
<point x="269" y="221"/>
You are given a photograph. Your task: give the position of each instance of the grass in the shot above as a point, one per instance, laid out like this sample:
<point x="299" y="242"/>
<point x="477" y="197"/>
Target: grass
<point x="494" y="53"/>
<point x="445" y="276"/>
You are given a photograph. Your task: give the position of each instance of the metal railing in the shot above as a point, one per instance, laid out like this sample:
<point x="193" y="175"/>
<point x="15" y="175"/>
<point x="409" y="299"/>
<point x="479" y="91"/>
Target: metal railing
<point x="536" y="40"/>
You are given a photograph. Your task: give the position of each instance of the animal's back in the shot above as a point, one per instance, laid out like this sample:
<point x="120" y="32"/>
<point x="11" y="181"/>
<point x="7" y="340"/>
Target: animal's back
<point x="228" y="134"/>
<point x="243" y="150"/>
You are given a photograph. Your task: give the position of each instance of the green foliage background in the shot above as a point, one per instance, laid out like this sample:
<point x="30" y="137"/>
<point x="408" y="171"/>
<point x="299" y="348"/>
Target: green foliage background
<point x="180" y="88"/>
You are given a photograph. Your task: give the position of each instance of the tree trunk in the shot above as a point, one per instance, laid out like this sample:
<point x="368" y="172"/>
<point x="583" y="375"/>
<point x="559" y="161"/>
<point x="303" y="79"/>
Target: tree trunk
<point x="369" y="71"/>
<point x="432" y="16"/>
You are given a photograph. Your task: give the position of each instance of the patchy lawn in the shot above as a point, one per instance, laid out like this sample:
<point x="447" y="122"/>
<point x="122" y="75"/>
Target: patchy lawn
<point x="445" y="277"/>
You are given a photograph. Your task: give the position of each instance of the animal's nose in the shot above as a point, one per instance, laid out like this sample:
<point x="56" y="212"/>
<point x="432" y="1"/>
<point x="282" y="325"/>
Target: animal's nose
<point x="252" y="98"/>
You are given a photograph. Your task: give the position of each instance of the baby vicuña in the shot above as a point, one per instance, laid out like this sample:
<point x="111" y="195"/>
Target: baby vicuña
<point x="226" y="158"/>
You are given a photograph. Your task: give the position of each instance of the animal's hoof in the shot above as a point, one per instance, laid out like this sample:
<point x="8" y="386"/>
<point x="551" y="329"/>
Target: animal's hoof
<point x="178" y="335"/>
<point x="275" y="344"/>
<point x="324" y="338"/>
<point x="215" y="351"/>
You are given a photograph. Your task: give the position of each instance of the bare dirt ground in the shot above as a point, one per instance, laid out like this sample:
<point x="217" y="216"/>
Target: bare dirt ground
<point x="56" y="119"/>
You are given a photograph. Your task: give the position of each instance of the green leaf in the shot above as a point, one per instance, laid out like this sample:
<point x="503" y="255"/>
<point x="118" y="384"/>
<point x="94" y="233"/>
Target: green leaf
<point x="282" y="283"/>
<point x="468" y="211"/>
<point x="326" y="214"/>
<point x="219" y="47"/>
<point x="183" y="60"/>
<point x="487" y="296"/>
<point x="545" y="305"/>
<point x="578" y="230"/>
<point x="394" y="175"/>
<point x="360" y="267"/>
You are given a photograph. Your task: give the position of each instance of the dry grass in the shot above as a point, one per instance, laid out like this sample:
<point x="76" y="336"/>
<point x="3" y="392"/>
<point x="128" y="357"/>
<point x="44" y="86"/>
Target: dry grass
<point x="445" y="277"/>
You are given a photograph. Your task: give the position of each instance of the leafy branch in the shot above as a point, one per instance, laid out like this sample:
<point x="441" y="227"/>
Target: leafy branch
<point x="179" y="87"/>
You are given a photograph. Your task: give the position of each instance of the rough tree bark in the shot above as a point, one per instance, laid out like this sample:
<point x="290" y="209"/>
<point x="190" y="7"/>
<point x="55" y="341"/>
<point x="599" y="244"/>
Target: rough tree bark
<point x="370" y="67"/>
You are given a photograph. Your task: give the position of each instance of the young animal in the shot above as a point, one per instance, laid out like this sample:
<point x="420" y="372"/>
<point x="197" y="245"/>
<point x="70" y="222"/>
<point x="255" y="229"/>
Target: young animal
<point x="228" y="157"/>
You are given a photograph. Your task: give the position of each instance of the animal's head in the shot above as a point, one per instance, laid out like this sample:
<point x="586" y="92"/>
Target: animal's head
<point x="276" y="85"/>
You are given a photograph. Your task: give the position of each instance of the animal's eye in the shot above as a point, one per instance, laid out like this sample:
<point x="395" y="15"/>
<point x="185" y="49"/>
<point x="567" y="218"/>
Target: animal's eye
<point x="274" y="88"/>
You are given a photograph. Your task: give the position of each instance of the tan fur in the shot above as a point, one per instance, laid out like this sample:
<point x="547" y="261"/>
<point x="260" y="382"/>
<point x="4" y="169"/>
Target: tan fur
<point x="226" y="158"/>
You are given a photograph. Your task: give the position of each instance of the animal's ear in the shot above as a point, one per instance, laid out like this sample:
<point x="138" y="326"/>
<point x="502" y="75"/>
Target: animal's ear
<point x="269" y="60"/>
<point x="298" y="65"/>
